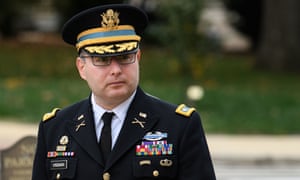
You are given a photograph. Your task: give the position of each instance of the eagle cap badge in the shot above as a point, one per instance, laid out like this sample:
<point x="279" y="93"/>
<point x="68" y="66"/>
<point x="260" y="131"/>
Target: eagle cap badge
<point x="110" y="19"/>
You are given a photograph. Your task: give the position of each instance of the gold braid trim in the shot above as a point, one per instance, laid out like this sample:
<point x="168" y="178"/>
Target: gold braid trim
<point x="121" y="47"/>
<point x="100" y="49"/>
<point x="106" y="40"/>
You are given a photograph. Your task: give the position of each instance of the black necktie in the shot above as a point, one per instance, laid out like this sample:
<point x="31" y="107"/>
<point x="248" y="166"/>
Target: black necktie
<point x="105" y="138"/>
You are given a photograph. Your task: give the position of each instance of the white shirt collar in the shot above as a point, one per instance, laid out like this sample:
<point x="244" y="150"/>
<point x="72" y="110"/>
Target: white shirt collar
<point x="118" y="120"/>
<point x="120" y="110"/>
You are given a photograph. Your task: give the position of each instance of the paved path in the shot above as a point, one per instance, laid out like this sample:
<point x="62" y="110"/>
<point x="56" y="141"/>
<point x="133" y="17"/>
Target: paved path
<point x="11" y="132"/>
<point x="255" y="147"/>
<point x="257" y="171"/>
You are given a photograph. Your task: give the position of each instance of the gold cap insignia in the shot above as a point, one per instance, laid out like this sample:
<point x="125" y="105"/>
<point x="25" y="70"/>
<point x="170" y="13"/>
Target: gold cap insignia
<point x="110" y="19"/>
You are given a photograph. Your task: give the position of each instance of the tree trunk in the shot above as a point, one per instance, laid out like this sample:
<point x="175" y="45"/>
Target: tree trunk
<point x="280" y="41"/>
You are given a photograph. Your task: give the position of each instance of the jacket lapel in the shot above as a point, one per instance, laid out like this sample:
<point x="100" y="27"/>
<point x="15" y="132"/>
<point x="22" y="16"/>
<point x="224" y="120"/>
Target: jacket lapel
<point x="82" y="129"/>
<point x="139" y="120"/>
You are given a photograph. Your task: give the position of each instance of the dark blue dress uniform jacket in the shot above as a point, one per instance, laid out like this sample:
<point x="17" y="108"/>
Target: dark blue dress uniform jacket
<point x="190" y="158"/>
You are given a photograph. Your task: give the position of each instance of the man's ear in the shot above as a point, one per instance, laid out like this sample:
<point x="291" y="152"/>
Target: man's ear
<point x="80" y="64"/>
<point x="138" y="55"/>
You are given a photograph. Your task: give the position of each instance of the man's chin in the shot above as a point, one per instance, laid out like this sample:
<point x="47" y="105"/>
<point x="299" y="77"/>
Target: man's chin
<point x="119" y="93"/>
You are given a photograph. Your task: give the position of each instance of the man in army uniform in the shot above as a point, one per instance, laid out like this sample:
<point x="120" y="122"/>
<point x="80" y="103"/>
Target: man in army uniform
<point x="118" y="132"/>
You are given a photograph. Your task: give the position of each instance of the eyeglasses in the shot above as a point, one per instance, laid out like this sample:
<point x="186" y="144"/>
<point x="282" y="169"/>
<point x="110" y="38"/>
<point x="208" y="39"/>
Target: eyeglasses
<point x="98" y="60"/>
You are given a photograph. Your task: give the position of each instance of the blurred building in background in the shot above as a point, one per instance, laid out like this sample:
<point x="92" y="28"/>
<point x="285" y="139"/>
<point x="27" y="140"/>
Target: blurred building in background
<point x="44" y="17"/>
<point x="216" y="23"/>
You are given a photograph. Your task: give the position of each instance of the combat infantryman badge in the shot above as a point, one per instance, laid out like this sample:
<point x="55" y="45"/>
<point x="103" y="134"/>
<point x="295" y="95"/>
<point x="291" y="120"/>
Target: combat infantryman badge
<point x="155" y="136"/>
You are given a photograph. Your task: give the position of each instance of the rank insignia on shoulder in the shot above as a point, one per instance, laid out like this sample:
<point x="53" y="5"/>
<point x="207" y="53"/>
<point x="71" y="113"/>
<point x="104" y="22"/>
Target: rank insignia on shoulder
<point x="50" y="115"/>
<point x="184" y="110"/>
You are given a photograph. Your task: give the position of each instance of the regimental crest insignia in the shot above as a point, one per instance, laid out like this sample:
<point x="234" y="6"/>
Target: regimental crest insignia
<point x="64" y="140"/>
<point x="110" y="19"/>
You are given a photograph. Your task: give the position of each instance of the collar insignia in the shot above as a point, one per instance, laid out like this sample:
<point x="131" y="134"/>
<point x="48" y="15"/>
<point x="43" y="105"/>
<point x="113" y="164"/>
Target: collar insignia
<point x="80" y="117"/>
<point x="136" y="121"/>
<point x="143" y="115"/>
<point x="82" y="124"/>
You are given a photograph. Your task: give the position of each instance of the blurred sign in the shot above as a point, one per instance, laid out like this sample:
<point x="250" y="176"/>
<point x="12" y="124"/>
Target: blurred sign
<point x="17" y="161"/>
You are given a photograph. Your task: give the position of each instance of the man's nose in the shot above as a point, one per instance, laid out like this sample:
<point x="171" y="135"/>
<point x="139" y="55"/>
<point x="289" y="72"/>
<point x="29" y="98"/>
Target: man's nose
<point x="115" y="67"/>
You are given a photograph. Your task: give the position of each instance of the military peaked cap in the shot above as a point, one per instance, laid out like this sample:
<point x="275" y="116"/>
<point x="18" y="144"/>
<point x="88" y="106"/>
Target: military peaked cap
<point x="106" y="30"/>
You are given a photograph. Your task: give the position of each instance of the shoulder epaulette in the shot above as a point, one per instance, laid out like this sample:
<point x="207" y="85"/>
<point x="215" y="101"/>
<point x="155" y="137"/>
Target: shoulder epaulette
<point x="184" y="110"/>
<point x="50" y="115"/>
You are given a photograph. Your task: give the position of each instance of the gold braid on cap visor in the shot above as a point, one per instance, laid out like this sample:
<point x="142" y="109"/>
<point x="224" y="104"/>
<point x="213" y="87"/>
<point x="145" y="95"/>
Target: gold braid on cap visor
<point x="106" y="35"/>
<point x="114" y="48"/>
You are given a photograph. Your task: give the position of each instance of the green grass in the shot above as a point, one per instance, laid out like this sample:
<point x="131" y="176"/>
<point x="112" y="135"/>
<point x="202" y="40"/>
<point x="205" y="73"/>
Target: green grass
<point x="28" y="99"/>
<point x="238" y="99"/>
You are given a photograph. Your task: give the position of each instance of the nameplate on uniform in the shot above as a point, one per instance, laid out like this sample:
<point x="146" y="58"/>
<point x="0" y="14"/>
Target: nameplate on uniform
<point x="58" y="164"/>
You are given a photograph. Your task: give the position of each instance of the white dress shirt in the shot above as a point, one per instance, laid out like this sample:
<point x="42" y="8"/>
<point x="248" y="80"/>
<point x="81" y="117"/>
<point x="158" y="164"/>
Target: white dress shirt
<point x="118" y="119"/>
